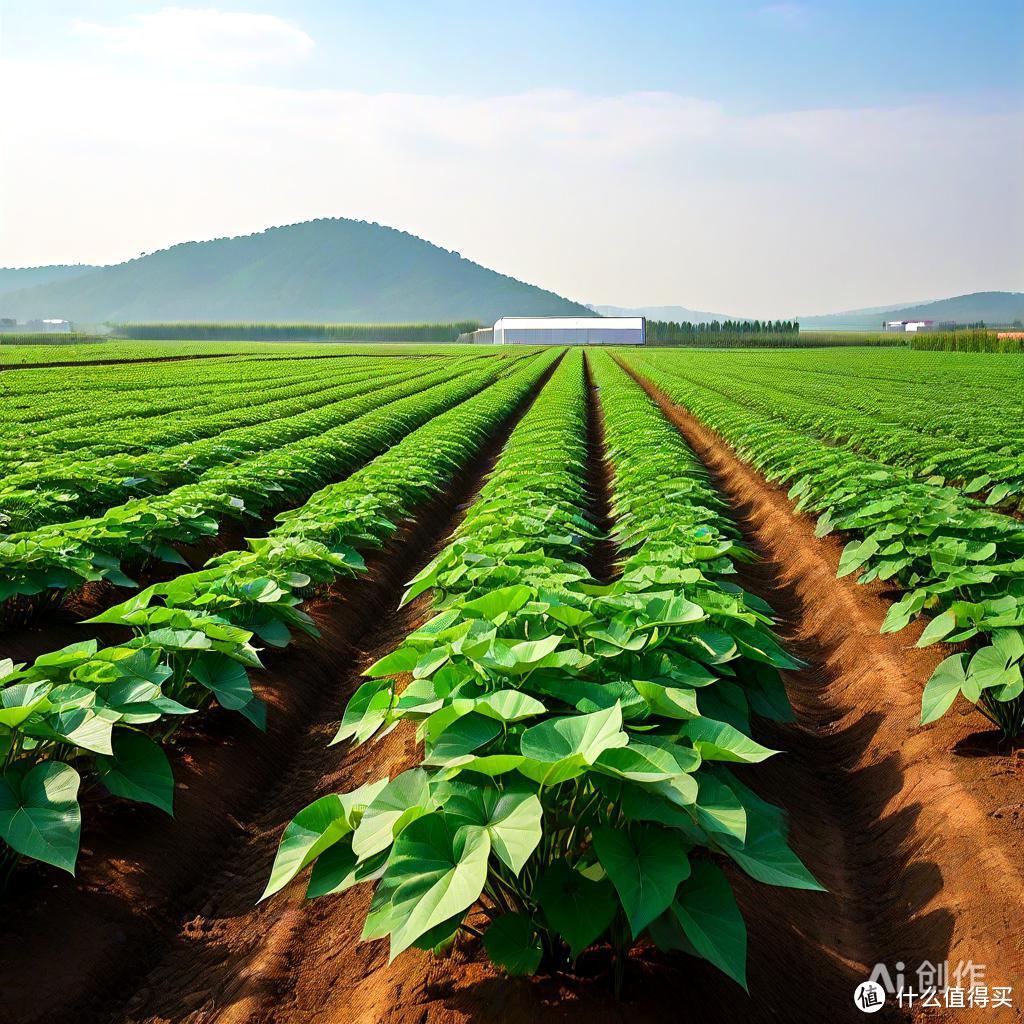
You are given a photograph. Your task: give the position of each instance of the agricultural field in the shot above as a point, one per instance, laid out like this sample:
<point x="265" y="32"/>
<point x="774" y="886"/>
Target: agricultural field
<point x="99" y="350"/>
<point x="457" y="684"/>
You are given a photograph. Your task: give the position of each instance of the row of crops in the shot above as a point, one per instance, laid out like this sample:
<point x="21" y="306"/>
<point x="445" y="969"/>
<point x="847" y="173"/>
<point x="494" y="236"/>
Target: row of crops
<point x="869" y="401"/>
<point x="59" y="350"/>
<point x="75" y="463"/>
<point x="855" y="449"/>
<point x="48" y="338"/>
<point x="240" y="472"/>
<point x="103" y="711"/>
<point x="574" y="786"/>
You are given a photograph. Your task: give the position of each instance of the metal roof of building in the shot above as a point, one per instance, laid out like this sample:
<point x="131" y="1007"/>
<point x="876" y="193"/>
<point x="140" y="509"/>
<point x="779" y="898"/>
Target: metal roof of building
<point x="579" y="323"/>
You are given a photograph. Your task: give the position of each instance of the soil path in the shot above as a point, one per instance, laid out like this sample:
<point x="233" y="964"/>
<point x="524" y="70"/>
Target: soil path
<point x="148" y="886"/>
<point x="914" y="831"/>
<point x="602" y="563"/>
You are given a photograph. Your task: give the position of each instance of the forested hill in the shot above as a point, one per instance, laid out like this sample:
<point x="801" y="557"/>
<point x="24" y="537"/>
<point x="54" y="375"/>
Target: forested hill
<point x="333" y="270"/>
<point x="13" y="278"/>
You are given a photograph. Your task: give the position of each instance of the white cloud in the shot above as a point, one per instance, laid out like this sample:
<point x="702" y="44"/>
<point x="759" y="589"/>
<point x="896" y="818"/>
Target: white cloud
<point x="206" y="37"/>
<point x="640" y="198"/>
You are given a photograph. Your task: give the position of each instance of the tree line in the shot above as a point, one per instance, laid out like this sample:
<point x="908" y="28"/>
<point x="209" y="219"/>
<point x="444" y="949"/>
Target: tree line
<point x="421" y="332"/>
<point x="668" y="331"/>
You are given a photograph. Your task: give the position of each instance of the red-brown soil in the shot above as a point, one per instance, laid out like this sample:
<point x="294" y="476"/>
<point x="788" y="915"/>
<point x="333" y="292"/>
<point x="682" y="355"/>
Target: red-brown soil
<point x="602" y="563"/>
<point x="914" y="832"/>
<point x="143" y="876"/>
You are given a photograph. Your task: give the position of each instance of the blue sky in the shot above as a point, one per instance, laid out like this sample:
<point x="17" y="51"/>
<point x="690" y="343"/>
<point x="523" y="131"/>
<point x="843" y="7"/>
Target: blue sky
<point x="754" y="55"/>
<point x="613" y="152"/>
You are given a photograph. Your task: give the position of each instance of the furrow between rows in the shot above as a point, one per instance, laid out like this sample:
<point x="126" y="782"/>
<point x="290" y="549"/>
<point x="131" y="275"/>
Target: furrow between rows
<point x="871" y="794"/>
<point x="146" y="891"/>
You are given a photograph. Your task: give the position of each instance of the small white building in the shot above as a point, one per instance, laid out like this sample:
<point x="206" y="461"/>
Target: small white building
<point x="909" y="326"/>
<point x="570" y="330"/>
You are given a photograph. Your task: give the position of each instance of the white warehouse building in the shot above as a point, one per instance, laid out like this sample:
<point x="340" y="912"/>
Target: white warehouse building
<point x="570" y="330"/>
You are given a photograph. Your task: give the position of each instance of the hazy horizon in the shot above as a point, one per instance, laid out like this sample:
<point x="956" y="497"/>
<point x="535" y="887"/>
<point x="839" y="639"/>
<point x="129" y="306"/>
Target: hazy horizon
<point x="777" y="159"/>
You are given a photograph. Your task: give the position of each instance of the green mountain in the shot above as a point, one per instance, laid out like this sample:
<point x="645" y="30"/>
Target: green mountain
<point x="13" y="278"/>
<point x="329" y="270"/>
<point x="990" y="307"/>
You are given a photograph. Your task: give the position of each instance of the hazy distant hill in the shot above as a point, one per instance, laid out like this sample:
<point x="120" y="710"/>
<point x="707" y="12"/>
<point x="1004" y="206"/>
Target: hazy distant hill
<point x="13" y="278"/>
<point x="323" y="270"/>
<point x="675" y="314"/>
<point x="991" y="307"/>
